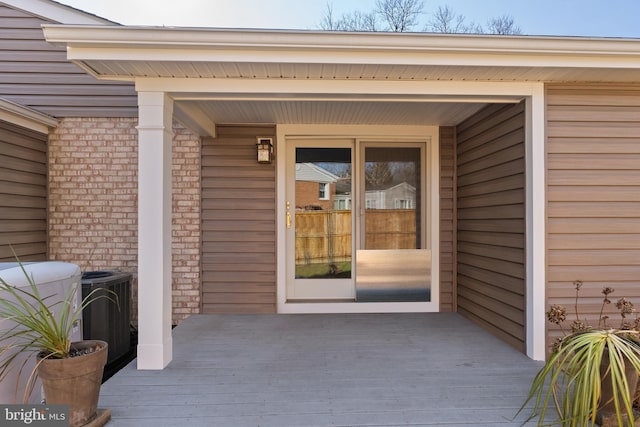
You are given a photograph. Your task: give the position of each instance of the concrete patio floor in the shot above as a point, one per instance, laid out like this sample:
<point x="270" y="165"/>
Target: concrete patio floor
<point x="326" y="370"/>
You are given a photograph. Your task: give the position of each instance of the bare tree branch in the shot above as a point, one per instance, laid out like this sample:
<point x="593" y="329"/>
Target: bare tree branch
<point x="403" y="16"/>
<point x="503" y="25"/>
<point x="359" y="21"/>
<point x="445" y="20"/>
<point x="328" y="22"/>
<point x="354" y="21"/>
<point x="400" y="15"/>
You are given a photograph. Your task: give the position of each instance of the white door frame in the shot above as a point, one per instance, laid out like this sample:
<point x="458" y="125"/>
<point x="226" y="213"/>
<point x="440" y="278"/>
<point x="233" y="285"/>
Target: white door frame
<point x="368" y="133"/>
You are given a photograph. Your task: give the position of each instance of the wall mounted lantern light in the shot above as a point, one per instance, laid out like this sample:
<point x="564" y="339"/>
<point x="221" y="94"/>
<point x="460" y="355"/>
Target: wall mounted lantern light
<point x="265" y="150"/>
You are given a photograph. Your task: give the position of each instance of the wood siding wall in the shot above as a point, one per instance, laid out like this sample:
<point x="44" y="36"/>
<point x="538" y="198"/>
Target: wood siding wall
<point x="36" y="74"/>
<point x="23" y="193"/>
<point x="491" y="221"/>
<point x="238" y="224"/>
<point x="593" y="194"/>
<point x="447" y="218"/>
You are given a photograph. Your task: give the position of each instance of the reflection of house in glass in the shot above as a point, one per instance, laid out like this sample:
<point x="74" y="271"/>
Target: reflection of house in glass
<point x="342" y="198"/>
<point x="315" y="187"/>
<point x="398" y="196"/>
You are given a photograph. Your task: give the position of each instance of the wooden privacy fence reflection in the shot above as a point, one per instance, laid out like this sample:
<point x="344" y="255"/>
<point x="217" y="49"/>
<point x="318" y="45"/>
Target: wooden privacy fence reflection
<point x="325" y="236"/>
<point x="390" y="229"/>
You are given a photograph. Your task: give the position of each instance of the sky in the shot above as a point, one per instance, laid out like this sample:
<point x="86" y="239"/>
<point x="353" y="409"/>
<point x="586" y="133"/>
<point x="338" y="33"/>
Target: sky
<point x="600" y="18"/>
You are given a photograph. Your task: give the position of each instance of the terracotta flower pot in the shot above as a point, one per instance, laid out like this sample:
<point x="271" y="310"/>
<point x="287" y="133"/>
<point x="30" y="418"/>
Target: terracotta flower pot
<point x="606" y="410"/>
<point x="75" y="381"/>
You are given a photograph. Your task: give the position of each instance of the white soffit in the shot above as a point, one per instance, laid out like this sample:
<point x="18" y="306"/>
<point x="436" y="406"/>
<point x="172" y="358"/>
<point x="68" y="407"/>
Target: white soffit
<point x="118" y="52"/>
<point x="129" y="70"/>
<point x="332" y="112"/>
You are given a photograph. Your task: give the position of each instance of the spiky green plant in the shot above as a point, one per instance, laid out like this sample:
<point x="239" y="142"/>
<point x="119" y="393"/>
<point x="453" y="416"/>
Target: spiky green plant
<point x="583" y="363"/>
<point x="34" y="327"/>
<point x="571" y="379"/>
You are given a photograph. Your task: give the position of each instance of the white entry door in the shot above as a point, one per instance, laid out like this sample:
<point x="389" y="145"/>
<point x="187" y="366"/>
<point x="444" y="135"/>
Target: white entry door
<point x="320" y="222"/>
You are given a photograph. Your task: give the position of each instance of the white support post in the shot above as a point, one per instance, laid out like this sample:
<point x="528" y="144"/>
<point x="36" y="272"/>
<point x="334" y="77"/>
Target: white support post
<point x="536" y="224"/>
<point x="155" y="134"/>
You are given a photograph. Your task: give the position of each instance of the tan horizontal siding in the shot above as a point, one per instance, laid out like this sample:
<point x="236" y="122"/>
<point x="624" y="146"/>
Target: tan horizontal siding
<point x="447" y="218"/>
<point x="490" y="221"/>
<point x="593" y="193"/>
<point x="238" y="224"/>
<point x="37" y="74"/>
<point x="23" y="193"/>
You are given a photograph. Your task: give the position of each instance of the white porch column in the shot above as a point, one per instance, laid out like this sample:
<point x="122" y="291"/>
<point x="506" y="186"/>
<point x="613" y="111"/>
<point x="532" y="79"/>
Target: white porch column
<point x="536" y="221"/>
<point x="155" y="348"/>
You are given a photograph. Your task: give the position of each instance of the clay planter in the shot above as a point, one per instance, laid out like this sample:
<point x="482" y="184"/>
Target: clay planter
<point x="75" y="381"/>
<point x="606" y="411"/>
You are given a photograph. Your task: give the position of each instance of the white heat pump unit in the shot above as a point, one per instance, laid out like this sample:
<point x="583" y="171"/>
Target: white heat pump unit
<point x="52" y="279"/>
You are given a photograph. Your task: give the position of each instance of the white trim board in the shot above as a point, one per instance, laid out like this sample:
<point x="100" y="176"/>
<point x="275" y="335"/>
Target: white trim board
<point x="26" y="117"/>
<point x="392" y="90"/>
<point x="165" y="43"/>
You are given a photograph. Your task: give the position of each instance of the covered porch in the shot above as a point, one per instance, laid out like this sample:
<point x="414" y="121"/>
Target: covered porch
<point x="318" y="369"/>
<point x="365" y="87"/>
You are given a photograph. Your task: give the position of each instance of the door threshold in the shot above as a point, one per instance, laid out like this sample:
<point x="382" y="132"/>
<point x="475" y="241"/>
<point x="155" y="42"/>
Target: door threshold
<point x="350" y="306"/>
<point x="320" y="301"/>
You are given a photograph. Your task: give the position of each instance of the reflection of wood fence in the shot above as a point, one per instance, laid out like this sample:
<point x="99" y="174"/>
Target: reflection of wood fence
<point x="390" y="229"/>
<point x="325" y="236"/>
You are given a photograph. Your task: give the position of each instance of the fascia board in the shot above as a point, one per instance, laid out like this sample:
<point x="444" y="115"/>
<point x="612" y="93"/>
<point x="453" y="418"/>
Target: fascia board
<point x="307" y="56"/>
<point x="279" y="40"/>
<point x="345" y="87"/>
<point x="26" y="117"/>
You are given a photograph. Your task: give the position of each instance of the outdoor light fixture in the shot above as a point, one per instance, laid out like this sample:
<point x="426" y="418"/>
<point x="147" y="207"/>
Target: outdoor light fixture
<point x="265" y="150"/>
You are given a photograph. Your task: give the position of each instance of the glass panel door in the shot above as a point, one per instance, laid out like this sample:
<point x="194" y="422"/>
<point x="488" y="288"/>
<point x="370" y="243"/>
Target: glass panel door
<point x="392" y="261"/>
<point x="357" y="222"/>
<point x="320" y="209"/>
<point x="392" y="188"/>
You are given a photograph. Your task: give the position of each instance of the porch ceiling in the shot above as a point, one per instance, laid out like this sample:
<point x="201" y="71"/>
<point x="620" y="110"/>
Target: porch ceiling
<point x="328" y="112"/>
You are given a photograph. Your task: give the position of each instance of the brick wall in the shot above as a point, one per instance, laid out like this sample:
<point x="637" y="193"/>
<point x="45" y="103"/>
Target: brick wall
<point x="93" y="202"/>
<point x="186" y="223"/>
<point x="308" y="195"/>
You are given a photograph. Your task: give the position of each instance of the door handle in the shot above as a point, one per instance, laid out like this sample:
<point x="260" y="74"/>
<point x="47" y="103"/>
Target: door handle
<point x="288" y="215"/>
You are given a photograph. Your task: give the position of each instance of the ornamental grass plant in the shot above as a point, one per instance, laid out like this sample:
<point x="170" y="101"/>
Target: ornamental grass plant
<point x="40" y="326"/>
<point x="585" y="361"/>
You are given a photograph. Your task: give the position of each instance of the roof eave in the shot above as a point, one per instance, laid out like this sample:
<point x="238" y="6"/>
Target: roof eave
<point x="194" y="38"/>
<point x="116" y="52"/>
<point x="26" y="117"/>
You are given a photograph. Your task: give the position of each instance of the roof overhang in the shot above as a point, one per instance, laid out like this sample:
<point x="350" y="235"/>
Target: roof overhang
<point x="278" y="76"/>
<point x="121" y="52"/>
<point x="26" y="117"/>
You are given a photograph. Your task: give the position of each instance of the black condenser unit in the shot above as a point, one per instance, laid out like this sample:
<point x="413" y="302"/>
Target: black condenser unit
<point x="104" y="319"/>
